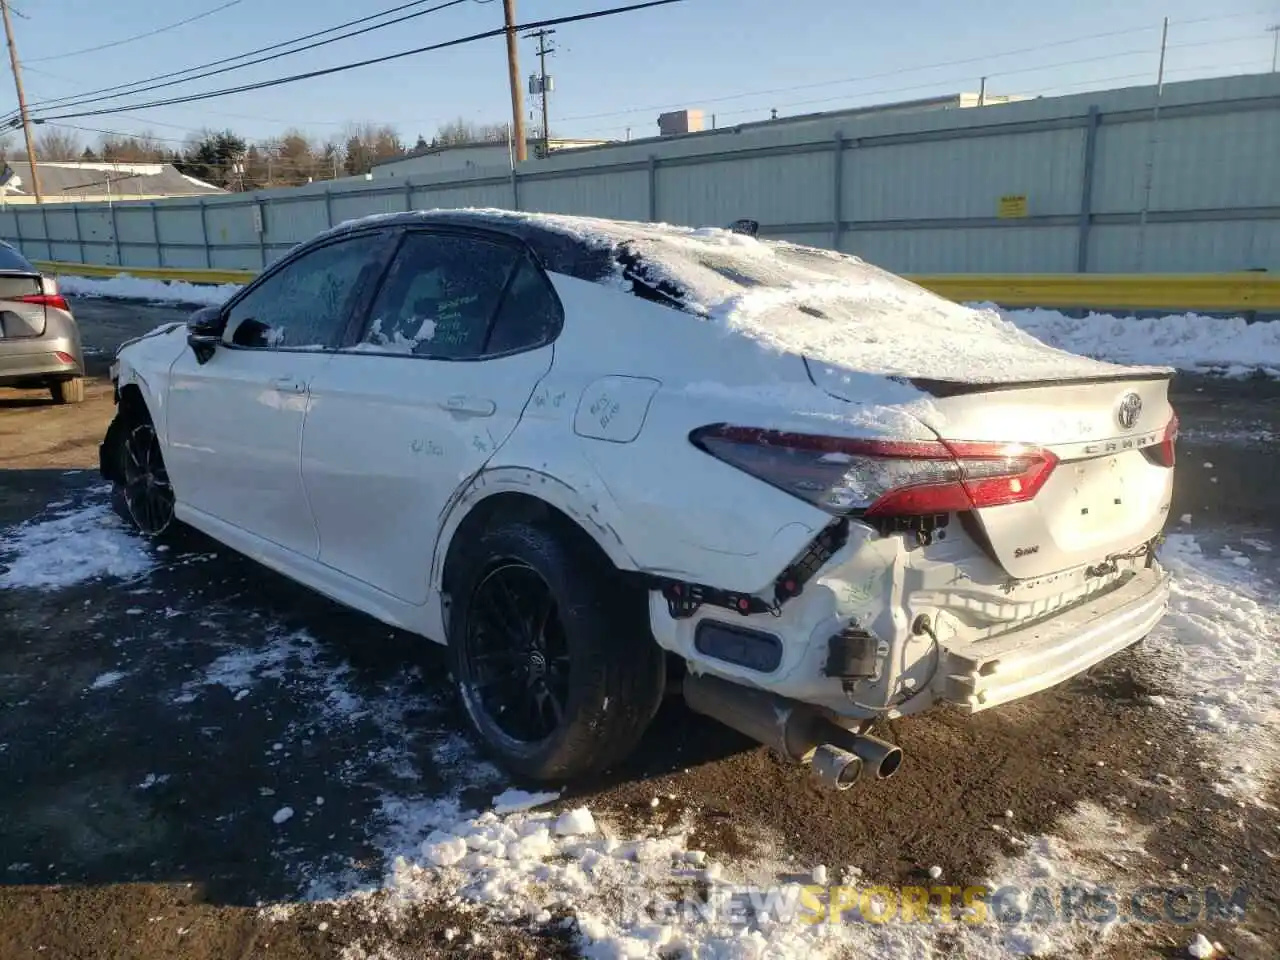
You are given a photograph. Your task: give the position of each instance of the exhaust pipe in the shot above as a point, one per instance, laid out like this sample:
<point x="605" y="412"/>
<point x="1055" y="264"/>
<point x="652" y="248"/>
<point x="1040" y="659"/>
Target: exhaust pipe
<point x="836" y="769"/>
<point x="796" y="730"/>
<point x="878" y="756"/>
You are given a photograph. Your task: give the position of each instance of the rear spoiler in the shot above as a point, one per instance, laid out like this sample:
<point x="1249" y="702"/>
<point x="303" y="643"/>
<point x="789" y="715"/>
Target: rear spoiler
<point x="956" y="388"/>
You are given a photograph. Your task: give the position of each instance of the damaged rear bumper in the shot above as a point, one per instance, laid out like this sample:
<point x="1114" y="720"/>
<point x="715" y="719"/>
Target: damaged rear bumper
<point x="986" y="673"/>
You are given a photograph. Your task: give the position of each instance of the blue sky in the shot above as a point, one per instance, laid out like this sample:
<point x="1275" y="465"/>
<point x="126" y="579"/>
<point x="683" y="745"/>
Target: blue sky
<point x="734" y="58"/>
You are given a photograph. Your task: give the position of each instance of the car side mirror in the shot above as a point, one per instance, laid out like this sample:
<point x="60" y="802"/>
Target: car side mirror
<point x="204" y="332"/>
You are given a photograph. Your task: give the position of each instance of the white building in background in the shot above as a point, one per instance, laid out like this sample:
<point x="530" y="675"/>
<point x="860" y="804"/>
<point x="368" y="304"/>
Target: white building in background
<point x="74" y="181"/>
<point x="493" y="158"/>
<point x="469" y="157"/>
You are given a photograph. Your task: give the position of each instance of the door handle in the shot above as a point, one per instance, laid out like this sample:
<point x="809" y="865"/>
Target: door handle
<point x="470" y="406"/>
<point x="288" y="385"/>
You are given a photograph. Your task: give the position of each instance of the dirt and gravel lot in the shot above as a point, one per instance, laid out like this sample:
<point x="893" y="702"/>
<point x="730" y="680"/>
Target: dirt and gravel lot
<point x="156" y="725"/>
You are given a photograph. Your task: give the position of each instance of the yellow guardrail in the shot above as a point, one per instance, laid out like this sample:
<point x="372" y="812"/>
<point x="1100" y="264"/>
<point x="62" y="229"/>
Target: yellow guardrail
<point x="193" y="275"/>
<point x="1218" y="292"/>
<point x="1174" y="292"/>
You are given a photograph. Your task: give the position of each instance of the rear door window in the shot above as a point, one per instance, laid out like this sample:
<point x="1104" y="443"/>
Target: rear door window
<point x="530" y="313"/>
<point x="456" y="297"/>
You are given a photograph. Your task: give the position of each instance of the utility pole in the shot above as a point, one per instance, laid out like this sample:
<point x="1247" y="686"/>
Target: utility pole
<point x="544" y="85"/>
<point x="513" y="77"/>
<point x="22" y="102"/>
<point x="1149" y="173"/>
<point x="1274" y="30"/>
<point x="982" y="92"/>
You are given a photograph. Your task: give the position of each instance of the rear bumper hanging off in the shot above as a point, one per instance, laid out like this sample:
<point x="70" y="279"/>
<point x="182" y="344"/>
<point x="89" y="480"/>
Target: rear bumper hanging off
<point x="987" y="673"/>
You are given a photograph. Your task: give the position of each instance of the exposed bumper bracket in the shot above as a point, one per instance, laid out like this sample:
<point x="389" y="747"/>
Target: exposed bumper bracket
<point x="684" y="599"/>
<point x="987" y="673"/>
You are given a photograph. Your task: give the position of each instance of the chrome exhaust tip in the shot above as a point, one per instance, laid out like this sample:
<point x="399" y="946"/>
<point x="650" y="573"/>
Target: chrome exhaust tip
<point x="881" y="759"/>
<point x="834" y="768"/>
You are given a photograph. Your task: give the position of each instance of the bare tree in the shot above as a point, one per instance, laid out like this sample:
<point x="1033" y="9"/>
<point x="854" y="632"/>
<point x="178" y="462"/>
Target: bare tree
<point x="54" y="144"/>
<point x="142" y="148"/>
<point x="462" y="130"/>
<point x="368" y="144"/>
<point x="297" y="156"/>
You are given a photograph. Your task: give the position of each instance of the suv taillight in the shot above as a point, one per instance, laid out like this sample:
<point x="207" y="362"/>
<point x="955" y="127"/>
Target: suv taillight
<point x="1165" y="453"/>
<point x="883" y="477"/>
<point x="55" y="300"/>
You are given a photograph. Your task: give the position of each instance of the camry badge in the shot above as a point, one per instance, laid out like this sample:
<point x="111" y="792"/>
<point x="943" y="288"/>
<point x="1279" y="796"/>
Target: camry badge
<point x="1129" y="411"/>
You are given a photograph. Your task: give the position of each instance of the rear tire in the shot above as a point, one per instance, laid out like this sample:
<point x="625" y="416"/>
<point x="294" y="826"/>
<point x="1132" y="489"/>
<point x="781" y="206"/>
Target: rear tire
<point x="67" y="391"/>
<point x="551" y="652"/>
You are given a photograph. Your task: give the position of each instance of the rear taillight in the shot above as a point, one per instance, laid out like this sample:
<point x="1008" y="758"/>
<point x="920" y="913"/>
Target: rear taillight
<point x="55" y="300"/>
<point x="883" y="477"/>
<point x="1164" y="454"/>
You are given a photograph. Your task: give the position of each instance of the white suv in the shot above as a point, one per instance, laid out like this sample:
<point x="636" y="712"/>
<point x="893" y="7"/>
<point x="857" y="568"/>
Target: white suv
<point x="601" y="458"/>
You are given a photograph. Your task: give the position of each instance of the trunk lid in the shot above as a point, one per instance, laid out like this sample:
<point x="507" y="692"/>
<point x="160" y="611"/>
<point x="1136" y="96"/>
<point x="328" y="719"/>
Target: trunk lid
<point x="1109" y="492"/>
<point x="18" y="319"/>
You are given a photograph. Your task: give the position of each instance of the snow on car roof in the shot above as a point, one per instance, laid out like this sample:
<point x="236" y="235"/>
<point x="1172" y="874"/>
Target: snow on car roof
<point x="831" y="307"/>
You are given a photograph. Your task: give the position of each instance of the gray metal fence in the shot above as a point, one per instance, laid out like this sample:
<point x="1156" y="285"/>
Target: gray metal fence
<point x="1072" y="184"/>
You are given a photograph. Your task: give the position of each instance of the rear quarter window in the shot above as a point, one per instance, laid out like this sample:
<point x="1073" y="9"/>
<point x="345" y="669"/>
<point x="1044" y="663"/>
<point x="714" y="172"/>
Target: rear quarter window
<point x="11" y="260"/>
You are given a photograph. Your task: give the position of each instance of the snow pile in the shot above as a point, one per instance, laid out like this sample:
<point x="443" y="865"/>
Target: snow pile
<point x="126" y="287"/>
<point x="1187" y="341"/>
<point x="1218" y="646"/>
<point x="72" y="547"/>
<point x="653" y="896"/>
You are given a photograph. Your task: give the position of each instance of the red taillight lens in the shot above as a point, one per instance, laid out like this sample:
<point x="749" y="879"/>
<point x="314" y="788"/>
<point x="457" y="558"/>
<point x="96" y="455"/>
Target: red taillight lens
<point x="55" y="300"/>
<point x="883" y="477"/>
<point x="1165" y="454"/>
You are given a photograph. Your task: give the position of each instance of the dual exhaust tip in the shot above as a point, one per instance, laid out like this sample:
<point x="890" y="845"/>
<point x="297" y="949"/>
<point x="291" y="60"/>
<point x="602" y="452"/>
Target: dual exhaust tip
<point x="837" y="756"/>
<point x="839" y="769"/>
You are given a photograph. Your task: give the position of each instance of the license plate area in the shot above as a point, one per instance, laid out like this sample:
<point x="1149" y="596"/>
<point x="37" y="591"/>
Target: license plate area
<point x="1100" y="496"/>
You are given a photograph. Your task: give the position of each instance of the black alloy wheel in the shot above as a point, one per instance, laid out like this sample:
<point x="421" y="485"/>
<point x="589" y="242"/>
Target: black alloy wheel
<point x="550" y="649"/>
<point x="148" y="495"/>
<point x="516" y="654"/>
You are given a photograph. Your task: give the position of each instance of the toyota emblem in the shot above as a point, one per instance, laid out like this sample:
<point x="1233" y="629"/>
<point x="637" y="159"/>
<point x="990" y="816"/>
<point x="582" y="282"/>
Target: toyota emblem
<point x="1130" y="410"/>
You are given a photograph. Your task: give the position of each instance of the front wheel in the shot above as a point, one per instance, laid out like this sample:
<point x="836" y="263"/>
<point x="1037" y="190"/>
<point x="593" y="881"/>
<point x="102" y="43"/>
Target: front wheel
<point x="551" y="652"/>
<point x="142" y="489"/>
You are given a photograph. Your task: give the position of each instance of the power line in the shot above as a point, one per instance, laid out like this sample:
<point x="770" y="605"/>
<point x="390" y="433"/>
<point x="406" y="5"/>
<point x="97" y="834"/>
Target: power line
<point x="115" y="133"/>
<point x="139" y="36"/>
<point x="898" y="71"/>
<point x="124" y="88"/>
<point x="342" y="68"/>
<point x="143" y="86"/>
<point x="1033" y="69"/>
<point x="945" y="82"/>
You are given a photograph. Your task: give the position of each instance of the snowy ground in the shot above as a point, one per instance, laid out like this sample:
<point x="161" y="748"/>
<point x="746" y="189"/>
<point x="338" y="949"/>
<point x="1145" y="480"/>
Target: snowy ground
<point x="620" y="888"/>
<point x="1189" y="341"/>
<point x="211" y="724"/>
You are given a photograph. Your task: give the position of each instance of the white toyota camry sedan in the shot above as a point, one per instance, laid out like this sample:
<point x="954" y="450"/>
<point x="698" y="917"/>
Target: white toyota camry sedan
<point x="604" y="460"/>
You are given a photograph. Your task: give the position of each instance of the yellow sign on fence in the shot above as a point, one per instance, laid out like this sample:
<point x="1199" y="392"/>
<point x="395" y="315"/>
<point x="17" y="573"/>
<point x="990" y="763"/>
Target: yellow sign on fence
<point x="1012" y="206"/>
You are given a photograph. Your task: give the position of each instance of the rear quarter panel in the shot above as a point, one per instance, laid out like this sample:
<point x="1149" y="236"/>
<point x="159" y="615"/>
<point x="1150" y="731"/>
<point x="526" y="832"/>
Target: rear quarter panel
<point x="668" y="508"/>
